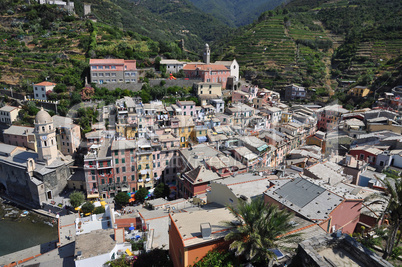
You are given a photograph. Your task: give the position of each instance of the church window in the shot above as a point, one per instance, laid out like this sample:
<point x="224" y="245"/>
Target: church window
<point x="45" y="143"/>
<point x="50" y="127"/>
<point x="43" y="128"/>
<point x="52" y="141"/>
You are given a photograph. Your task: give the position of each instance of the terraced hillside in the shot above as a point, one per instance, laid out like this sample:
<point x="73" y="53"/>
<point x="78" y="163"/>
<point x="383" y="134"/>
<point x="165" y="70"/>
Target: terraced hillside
<point x="317" y="42"/>
<point x="278" y="51"/>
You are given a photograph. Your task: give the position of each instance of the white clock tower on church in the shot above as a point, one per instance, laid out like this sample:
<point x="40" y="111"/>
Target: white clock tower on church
<point x="45" y="135"/>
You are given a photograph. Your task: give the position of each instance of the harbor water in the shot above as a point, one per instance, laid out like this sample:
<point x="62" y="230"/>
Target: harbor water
<point x="20" y="232"/>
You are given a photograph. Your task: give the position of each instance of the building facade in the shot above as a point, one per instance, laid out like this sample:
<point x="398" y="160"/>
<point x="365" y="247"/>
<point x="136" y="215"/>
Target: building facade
<point x="41" y="90"/>
<point x="8" y="114"/>
<point x="113" y="71"/>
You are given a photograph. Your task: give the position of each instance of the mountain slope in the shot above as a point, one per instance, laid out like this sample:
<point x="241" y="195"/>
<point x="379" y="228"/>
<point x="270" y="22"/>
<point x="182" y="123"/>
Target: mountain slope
<point x="236" y="12"/>
<point x="316" y="42"/>
<point x="160" y="20"/>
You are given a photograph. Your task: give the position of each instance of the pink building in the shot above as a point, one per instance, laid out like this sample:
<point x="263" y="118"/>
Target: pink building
<point x="187" y="107"/>
<point x="20" y="136"/>
<point x="113" y="71"/>
<point x="208" y="73"/>
<point x="123" y="154"/>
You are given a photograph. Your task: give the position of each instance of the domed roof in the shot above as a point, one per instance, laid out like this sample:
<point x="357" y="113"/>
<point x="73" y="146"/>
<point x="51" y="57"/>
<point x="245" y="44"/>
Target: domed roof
<point x="43" y="117"/>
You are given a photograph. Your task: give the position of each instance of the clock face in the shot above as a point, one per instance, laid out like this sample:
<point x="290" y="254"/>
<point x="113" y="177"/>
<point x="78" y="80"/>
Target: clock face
<point x="44" y="138"/>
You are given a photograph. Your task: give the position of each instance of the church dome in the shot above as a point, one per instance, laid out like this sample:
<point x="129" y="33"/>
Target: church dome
<point x="43" y="117"/>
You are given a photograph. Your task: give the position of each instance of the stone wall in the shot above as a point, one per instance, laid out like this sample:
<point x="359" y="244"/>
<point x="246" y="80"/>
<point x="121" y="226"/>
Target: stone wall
<point x="17" y="183"/>
<point x="177" y="82"/>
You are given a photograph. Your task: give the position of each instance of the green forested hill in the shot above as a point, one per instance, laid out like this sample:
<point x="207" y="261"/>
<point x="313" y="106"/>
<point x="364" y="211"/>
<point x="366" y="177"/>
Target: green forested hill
<point x="160" y="20"/>
<point x="316" y="42"/>
<point x="236" y="12"/>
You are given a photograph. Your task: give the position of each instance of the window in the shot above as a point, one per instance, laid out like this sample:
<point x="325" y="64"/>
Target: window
<point x="167" y="163"/>
<point x="124" y="178"/>
<point x="107" y="67"/>
<point x="116" y="153"/>
<point x="117" y="170"/>
<point x="100" y="74"/>
<point x="123" y="169"/>
<point x="123" y="160"/>
<point x="103" y="181"/>
<point x="132" y="178"/>
<point x="43" y="89"/>
<point x="101" y="67"/>
<point x="110" y="180"/>
<point x="94" y="67"/>
<point x="113" y="67"/>
<point x="113" y="74"/>
<point x="147" y="166"/>
<point x="132" y="168"/>
<point x="116" y="161"/>
<point x="94" y="74"/>
<point x="118" y="179"/>
<point x="107" y="74"/>
<point x="155" y="174"/>
<point x="43" y="95"/>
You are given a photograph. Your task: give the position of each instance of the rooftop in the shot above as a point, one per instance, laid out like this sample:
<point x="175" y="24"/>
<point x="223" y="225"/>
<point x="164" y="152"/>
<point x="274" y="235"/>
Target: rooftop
<point x="46" y="84"/>
<point x="305" y="198"/>
<point x="8" y="108"/>
<point x="95" y="243"/>
<point x="188" y="225"/>
<point x="19" y="130"/>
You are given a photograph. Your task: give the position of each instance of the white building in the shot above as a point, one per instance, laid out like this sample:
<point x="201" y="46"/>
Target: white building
<point x="40" y="90"/>
<point x="218" y="104"/>
<point x="172" y="65"/>
<point x="233" y="66"/>
<point x="8" y="114"/>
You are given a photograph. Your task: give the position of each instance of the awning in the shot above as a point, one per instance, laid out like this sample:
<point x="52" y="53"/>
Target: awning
<point x="201" y="139"/>
<point x="93" y="195"/>
<point x="261" y="148"/>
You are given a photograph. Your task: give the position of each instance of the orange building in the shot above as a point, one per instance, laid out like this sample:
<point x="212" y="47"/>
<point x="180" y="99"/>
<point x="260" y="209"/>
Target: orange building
<point x="193" y="234"/>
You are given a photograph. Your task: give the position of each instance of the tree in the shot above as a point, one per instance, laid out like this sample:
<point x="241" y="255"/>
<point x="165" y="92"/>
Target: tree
<point x="88" y="207"/>
<point x="121" y="198"/>
<point x="156" y="257"/>
<point x="99" y="210"/>
<point x="141" y="194"/>
<point x="218" y="258"/>
<point x="76" y="198"/>
<point x="162" y="190"/>
<point x="261" y="227"/>
<point x="393" y="212"/>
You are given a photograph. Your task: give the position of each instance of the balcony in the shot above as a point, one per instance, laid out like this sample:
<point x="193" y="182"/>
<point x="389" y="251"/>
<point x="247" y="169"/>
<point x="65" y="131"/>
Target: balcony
<point x="87" y="166"/>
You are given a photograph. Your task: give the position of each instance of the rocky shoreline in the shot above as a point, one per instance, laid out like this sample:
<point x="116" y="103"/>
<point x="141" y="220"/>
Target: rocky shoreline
<point x="12" y="212"/>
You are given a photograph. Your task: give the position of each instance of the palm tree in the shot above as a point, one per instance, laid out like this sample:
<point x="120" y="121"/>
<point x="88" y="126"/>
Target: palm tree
<point x="393" y="211"/>
<point x="261" y="227"/>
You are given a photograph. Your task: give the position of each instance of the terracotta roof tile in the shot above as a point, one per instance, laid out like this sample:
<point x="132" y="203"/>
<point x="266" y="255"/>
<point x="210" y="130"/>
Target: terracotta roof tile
<point x="45" y="84"/>
<point x="204" y="67"/>
<point x="114" y="61"/>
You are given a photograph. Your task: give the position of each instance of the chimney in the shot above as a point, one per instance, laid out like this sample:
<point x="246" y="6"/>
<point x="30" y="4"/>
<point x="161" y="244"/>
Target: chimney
<point x="205" y="230"/>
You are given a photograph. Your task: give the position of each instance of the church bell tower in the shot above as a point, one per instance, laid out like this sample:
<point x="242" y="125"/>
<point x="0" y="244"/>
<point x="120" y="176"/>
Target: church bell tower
<point x="207" y="54"/>
<point x="45" y="135"/>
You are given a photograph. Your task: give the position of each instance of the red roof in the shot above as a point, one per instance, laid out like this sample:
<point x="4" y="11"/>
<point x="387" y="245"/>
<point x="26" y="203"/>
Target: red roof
<point x="45" y="84"/>
<point x="109" y="61"/>
<point x="204" y="67"/>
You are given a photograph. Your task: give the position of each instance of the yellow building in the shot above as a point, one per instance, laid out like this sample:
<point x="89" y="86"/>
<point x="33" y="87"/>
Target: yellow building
<point x="144" y="165"/>
<point x="359" y="91"/>
<point x="286" y="117"/>
<point x="186" y="127"/>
